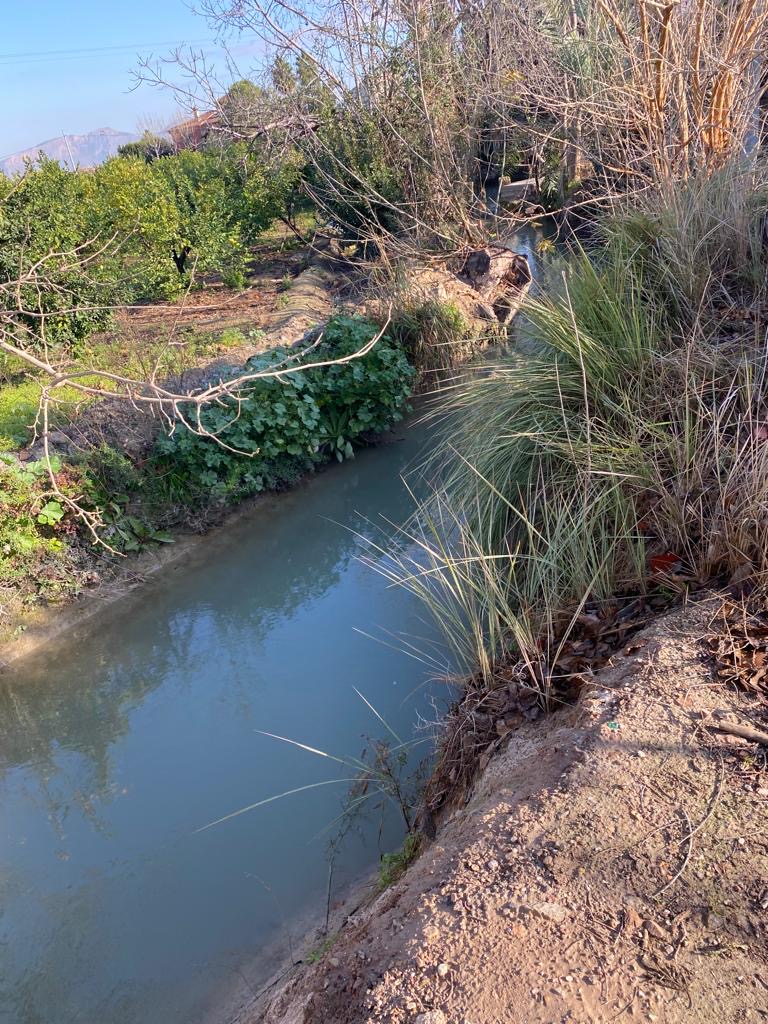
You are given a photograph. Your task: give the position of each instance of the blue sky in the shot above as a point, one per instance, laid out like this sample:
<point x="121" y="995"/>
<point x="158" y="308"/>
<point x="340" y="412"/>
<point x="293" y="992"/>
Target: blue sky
<point x="46" y="92"/>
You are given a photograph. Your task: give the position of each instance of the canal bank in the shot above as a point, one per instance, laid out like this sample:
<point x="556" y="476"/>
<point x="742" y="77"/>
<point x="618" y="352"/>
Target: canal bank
<point x="608" y="864"/>
<point x="119" y="745"/>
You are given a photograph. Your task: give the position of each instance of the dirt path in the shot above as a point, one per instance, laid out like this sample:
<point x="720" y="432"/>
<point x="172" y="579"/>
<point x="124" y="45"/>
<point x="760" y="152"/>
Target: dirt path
<point x="611" y="865"/>
<point x="216" y="307"/>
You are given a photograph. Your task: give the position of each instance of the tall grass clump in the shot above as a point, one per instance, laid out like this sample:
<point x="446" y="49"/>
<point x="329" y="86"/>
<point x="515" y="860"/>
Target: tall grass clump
<point x="433" y="334"/>
<point x="702" y="239"/>
<point x="627" y="453"/>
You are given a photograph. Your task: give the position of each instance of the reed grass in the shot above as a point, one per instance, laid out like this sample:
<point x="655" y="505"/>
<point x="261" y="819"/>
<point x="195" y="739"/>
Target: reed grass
<point x="638" y="427"/>
<point x="686" y="83"/>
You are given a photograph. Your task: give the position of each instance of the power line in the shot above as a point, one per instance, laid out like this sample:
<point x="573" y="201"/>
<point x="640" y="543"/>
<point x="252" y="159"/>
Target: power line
<point x="85" y="53"/>
<point x="91" y="49"/>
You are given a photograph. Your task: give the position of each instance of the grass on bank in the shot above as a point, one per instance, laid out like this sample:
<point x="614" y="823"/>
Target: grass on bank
<point x="133" y="356"/>
<point x="282" y="428"/>
<point x="627" y="455"/>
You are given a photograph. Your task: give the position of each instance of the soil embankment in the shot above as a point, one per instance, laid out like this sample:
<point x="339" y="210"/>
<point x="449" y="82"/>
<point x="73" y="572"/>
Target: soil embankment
<point x="610" y="864"/>
<point x="25" y="628"/>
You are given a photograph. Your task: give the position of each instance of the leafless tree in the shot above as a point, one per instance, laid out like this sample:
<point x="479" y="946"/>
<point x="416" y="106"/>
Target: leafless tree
<point x="406" y="109"/>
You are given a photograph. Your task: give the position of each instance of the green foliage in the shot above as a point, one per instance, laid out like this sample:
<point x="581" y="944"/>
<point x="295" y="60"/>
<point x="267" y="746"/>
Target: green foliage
<point x="316" y="954"/>
<point x="126" y="532"/>
<point x="194" y="212"/>
<point x="364" y="396"/>
<point x="148" y="148"/>
<point x="531" y="409"/>
<point x="134" y="204"/>
<point x="135" y="228"/>
<point x="541" y="507"/>
<point x="553" y="183"/>
<point x="283" y="427"/>
<point x="283" y="76"/>
<point x="29" y="518"/>
<point x="628" y="440"/>
<point x="131" y="501"/>
<point x="346" y="163"/>
<point x="351" y="175"/>
<point x="240" y="107"/>
<point x="44" y="219"/>
<point x="18" y="409"/>
<point x="51" y="513"/>
<point x="208" y="202"/>
<point x="285" y="424"/>
<point x="394" y="865"/>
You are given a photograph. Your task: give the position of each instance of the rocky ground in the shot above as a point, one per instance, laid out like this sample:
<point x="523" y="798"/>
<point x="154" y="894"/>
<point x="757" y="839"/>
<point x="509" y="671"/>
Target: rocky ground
<point x="610" y="864"/>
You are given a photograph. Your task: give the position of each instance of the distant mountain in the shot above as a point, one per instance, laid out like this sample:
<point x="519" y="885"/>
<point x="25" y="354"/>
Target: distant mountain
<point x="86" y="150"/>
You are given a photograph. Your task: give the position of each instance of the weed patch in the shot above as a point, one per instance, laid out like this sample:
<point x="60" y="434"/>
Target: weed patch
<point x="394" y="865"/>
<point x="430" y="332"/>
<point x="35" y="526"/>
<point x="316" y="954"/>
<point x="292" y="422"/>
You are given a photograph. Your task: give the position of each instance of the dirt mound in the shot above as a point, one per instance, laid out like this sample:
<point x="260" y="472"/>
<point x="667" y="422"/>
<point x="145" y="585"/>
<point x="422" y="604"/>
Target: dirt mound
<point x="307" y="304"/>
<point x="487" y="288"/>
<point x="611" y="864"/>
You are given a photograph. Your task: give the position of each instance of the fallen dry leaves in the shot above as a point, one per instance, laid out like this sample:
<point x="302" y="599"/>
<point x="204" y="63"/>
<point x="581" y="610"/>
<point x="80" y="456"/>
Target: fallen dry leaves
<point x="738" y="639"/>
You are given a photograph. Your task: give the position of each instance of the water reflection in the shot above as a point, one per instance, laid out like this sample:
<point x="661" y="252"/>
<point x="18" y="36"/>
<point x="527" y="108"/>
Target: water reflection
<point x="114" y="750"/>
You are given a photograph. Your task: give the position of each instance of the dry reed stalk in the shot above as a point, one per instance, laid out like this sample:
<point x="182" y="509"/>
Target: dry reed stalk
<point x="690" y="78"/>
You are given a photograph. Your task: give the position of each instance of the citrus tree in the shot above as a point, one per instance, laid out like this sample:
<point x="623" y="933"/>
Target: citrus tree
<point x="45" y="212"/>
<point x="191" y="214"/>
<point x="136" y="207"/>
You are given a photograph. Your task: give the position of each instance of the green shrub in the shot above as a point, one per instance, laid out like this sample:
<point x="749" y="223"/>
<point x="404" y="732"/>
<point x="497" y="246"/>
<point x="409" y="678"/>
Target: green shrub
<point x="132" y="229"/>
<point x="285" y="424"/>
<point x="430" y="332"/>
<point x="44" y="220"/>
<point x="202" y="210"/>
<point x="528" y="416"/>
<point x="31" y="516"/>
<point x="349" y="175"/>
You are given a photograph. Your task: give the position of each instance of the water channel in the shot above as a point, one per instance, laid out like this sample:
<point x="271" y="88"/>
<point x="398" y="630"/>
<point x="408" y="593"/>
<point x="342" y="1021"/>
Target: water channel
<point x="117" y="745"/>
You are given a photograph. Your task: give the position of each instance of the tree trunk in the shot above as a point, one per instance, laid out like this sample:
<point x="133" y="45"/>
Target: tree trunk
<point x="180" y="259"/>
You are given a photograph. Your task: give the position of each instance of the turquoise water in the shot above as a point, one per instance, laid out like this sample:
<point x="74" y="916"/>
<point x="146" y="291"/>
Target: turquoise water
<point x="118" y="745"/>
